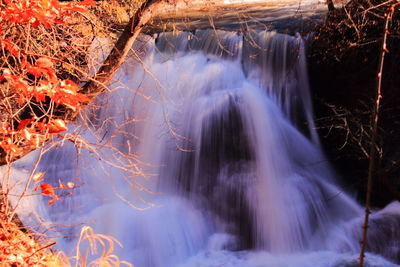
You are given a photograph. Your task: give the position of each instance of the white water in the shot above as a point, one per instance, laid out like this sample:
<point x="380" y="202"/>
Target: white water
<point x="234" y="181"/>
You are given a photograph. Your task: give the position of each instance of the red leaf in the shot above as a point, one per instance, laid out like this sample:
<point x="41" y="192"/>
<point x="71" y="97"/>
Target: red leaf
<point x="8" y="76"/>
<point x="21" y="86"/>
<point x="36" y="71"/>
<point x="47" y="189"/>
<point x="9" y="148"/>
<point x="22" y="124"/>
<point x="39" y="95"/>
<point x="51" y="202"/>
<point x="25" y="64"/>
<point x="57" y="126"/>
<point x="11" y="47"/>
<point x="51" y="75"/>
<point x="41" y="126"/>
<point x="35" y="23"/>
<point x="21" y="100"/>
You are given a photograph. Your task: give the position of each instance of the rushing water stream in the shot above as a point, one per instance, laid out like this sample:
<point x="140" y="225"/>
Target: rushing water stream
<point x="222" y="125"/>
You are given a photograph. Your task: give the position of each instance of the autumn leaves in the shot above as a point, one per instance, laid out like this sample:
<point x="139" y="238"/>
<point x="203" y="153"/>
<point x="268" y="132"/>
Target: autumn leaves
<point x="34" y="81"/>
<point x="49" y="190"/>
<point x="41" y="12"/>
<point x="34" y="78"/>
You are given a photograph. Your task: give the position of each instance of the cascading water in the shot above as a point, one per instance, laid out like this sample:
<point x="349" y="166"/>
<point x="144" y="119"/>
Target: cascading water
<point x="214" y="117"/>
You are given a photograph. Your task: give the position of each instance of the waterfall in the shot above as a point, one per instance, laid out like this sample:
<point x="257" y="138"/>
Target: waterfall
<point x="209" y="156"/>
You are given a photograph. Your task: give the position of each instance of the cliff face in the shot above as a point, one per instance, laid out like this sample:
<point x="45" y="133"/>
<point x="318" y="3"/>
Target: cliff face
<point x="343" y="64"/>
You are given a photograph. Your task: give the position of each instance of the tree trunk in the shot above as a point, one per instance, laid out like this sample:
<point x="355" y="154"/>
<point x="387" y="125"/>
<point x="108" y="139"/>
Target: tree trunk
<point x="123" y="45"/>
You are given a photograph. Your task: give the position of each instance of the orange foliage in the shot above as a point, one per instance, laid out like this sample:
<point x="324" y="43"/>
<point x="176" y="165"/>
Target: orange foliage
<point x="47" y="189"/>
<point x="34" y="78"/>
<point x="46" y="84"/>
<point x="50" y="191"/>
<point x="17" y="248"/>
<point x="41" y="12"/>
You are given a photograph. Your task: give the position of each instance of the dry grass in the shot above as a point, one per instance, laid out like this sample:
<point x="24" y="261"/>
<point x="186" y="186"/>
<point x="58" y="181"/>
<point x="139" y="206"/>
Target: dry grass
<point x="101" y="247"/>
<point x="19" y="248"/>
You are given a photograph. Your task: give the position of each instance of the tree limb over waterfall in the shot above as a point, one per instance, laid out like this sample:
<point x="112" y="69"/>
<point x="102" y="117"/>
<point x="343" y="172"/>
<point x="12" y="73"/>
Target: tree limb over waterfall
<point x="123" y="45"/>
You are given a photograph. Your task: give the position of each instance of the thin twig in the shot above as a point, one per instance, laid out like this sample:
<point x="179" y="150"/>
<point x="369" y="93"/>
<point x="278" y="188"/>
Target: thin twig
<point x="374" y="136"/>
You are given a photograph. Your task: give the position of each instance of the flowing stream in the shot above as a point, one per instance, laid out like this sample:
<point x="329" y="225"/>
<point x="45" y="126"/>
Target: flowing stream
<point x="210" y="136"/>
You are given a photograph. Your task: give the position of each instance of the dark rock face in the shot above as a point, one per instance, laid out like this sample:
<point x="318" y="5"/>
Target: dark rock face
<point x="343" y="76"/>
<point x="383" y="239"/>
